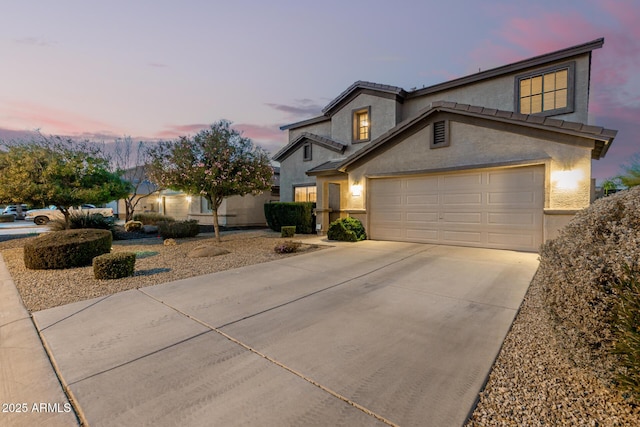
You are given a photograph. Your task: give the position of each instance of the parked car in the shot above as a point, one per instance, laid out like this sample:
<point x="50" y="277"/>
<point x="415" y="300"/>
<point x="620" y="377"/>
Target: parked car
<point x="43" y="216"/>
<point x="13" y="210"/>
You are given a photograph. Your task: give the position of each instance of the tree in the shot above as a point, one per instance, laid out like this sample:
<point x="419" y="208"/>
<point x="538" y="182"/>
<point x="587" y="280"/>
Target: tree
<point x="131" y="164"/>
<point x="631" y="175"/>
<point x="215" y="164"/>
<point x="57" y="171"/>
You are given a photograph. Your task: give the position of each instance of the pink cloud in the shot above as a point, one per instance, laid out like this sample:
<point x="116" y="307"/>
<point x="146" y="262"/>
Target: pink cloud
<point x="23" y="115"/>
<point x="176" y="131"/>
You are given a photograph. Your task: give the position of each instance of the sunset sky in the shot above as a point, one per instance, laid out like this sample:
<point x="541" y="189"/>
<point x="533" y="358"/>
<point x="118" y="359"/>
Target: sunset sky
<point x="159" y="69"/>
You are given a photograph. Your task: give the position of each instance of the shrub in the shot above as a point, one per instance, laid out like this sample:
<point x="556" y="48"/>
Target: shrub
<point x="132" y="226"/>
<point x="287" y="230"/>
<point x="78" y="220"/>
<point x="628" y="331"/>
<point x="347" y="230"/>
<point x="114" y="265"/>
<point x="7" y="218"/>
<point x="178" y="229"/>
<point x="152" y="218"/>
<point x="287" y="247"/>
<point x="66" y="249"/>
<point x="300" y="214"/>
<point x="579" y="271"/>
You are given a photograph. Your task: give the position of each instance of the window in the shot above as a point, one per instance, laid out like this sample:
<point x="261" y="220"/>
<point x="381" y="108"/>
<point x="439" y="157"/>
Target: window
<point x="547" y="92"/>
<point x="440" y="134"/>
<point x="362" y="125"/>
<point x="305" y="193"/>
<point x="306" y="152"/>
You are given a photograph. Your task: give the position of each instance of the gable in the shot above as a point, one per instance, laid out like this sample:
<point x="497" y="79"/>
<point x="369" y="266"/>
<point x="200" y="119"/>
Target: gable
<point x="307" y="140"/>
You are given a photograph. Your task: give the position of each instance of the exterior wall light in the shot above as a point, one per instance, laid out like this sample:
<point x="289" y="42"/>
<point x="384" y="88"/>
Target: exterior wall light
<point x="356" y="190"/>
<point x="567" y="179"/>
<point x="159" y="199"/>
<point x="189" y="199"/>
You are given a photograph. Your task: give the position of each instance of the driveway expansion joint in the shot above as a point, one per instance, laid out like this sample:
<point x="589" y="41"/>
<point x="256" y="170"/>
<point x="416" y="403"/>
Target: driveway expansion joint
<point x="276" y="362"/>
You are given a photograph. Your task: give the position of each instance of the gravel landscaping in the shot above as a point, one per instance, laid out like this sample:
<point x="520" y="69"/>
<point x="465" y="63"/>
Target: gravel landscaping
<point x="155" y="263"/>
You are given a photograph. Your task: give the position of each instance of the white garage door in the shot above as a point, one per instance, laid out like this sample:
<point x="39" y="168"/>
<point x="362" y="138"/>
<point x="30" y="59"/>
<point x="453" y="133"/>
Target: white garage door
<point x="492" y="208"/>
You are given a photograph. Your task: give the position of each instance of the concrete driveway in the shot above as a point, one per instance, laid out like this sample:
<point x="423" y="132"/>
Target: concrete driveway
<point x="371" y="333"/>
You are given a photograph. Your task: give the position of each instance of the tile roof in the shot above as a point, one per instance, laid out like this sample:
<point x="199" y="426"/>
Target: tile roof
<point x="330" y="167"/>
<point x="320" y="140"/>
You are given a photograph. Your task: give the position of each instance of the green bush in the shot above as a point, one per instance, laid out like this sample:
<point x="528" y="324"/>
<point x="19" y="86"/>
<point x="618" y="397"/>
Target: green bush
<point x="132" y="226"/>
<point x="114" y="265"/>
<point x="66" y="249"/>
<point x="300" y="214"/>
<point x="287" y="247"/>
<point x="152" y="218"/>
<point x="178" y="229"/>
<point x="287" y="230"/>
<point x="347" y="230"/>
<point x="7" y="218"/>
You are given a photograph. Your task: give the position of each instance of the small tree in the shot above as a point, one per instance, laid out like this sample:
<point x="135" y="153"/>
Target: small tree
<point x="57" y="171"/>
<point x="631" y="176"/>
<point x="216" y="163"/>
<point x="131" y="164"/>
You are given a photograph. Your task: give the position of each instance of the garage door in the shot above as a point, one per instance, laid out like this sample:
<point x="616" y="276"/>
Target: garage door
<point x="492" y="208"/>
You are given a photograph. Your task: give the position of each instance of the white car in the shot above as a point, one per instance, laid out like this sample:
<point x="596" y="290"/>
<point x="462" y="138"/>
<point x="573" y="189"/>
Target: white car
<point x="13" y="210"/>
<point x="43" y="216"/>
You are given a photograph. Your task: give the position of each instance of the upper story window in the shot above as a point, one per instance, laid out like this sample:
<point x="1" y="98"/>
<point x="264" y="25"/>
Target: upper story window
<point x="546" y="92"/>
<point x="362" y="125"/>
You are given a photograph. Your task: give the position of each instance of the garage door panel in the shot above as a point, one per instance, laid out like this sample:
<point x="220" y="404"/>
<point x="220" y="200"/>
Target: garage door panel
<point x="465" y="181"/>
<point x="496" y="208"/>
<point x="422" y="217"/>
<point x="462" y="217"/>
<point x="462" y="199"/>
<point x="512" y="218"/>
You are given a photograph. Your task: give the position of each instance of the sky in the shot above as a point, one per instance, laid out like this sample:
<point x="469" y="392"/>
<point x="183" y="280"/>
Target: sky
<point x="160" y="69"/>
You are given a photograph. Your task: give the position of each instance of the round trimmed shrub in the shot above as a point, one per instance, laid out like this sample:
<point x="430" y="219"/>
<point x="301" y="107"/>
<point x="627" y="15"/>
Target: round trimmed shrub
<point x="347" y="230"/>
<point x="66" y="249"/>
<point x="114" y="265"/>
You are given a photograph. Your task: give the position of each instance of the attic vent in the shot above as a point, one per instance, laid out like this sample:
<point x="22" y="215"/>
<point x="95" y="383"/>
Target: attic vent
<point x="440" y="136"/>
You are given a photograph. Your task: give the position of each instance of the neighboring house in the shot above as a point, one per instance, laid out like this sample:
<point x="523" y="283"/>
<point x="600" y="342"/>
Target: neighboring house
<point x="235" y="211"/>
<point x="497" y="159"/>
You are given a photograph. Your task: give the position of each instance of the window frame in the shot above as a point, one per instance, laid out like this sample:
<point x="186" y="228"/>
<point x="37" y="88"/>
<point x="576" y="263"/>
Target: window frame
<point x="356" y="128"/>
<point x="447" y="134"/>
<point x="307" y="186"/>
<point x="570" y="108"/>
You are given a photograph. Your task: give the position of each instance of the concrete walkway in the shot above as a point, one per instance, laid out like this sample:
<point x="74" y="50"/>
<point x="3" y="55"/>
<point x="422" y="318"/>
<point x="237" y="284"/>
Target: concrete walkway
<point x="372" y="333"/>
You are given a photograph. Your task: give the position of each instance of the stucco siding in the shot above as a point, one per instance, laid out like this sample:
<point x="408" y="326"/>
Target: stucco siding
<point x="293" y="169"/>
<point x="321" y="129"/>
<point x="473" y="145"/>
<point x="499" y="93"/>
<point x="383" y="117"/>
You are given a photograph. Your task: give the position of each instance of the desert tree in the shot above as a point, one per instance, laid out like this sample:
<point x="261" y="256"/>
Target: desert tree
<point x="131" y="162"/>
<point x="57" y="171"/>
<point x="630" y="177"/>
<point x="214" y="164"/>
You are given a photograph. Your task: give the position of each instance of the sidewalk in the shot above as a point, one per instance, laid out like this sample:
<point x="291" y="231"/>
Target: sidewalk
<point x="30" y="392"/>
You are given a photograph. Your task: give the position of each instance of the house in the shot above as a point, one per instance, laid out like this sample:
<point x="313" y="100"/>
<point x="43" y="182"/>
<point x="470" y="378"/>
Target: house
<point x="235" y="211"/>
<point x="497" y="159"/>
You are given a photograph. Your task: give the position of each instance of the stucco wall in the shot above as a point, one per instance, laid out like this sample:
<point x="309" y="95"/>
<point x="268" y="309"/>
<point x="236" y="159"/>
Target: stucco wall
<point x="293" y="169"/>
<point x="475" y="145"/>
<point x="321" y="129"/>
<point x="383" y="117"/>
<point x="499" y="93"/>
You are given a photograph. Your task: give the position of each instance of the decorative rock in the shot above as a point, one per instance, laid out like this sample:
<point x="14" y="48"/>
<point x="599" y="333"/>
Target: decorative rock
<point x="207" y="251"/>
<point x="170" y="242"/>
<point x="149" y="229"/>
